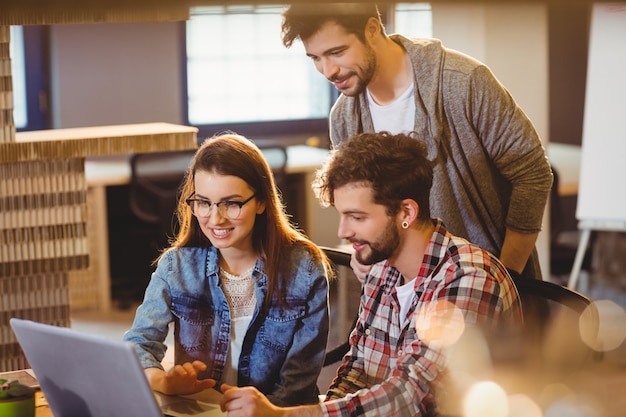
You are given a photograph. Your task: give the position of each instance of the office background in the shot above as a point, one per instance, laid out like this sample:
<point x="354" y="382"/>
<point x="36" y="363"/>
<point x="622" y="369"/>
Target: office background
<point x="538" y="50"/>
<point x="114" y="73"/>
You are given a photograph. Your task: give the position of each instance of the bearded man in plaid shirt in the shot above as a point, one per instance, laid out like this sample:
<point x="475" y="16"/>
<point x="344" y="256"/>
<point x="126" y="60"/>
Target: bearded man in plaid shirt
<point x="422" y="283"/>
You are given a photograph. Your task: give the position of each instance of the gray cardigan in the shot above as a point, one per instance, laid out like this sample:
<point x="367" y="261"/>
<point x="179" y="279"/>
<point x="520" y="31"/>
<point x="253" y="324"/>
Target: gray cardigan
<point x="491" y="169"/>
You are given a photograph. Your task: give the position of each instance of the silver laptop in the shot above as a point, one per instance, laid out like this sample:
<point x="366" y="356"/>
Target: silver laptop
<point x="87" y="375"/>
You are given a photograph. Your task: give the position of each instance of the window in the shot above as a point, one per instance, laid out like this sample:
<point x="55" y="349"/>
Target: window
<point x="413" y="20"/>
<point x="241" y="77"/>
<point x="29" y="75"/>
<point x="18" y="75"/>
<point x="238" y="70"/>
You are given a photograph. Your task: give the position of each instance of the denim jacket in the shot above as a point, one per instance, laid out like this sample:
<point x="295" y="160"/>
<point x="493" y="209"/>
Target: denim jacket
<point x="283" y="350"/>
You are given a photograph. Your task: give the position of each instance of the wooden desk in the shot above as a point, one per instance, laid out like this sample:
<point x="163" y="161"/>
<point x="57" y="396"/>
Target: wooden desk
<point x="41" y="406"/>
<point x="165" y="402"/>
<point x="101" y="172"/>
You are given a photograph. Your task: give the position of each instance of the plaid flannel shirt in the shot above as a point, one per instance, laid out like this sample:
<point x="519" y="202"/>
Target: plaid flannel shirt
<point x="390" y="370"/>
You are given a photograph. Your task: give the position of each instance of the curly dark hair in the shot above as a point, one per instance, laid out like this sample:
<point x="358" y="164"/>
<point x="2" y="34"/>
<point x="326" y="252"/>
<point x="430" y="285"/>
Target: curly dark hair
<point x="395" y="166"/>
<point x="301" y="20"/>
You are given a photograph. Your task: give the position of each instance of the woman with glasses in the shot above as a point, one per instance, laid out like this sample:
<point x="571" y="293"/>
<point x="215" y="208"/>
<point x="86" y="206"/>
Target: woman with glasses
<point x="246" y="291"/>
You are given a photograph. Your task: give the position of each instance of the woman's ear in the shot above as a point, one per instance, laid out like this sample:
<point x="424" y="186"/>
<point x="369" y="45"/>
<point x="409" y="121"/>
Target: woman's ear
<point x="260" y="207"/>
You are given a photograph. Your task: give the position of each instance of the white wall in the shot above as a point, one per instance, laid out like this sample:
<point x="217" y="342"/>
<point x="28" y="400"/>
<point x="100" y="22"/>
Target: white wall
<point x="512" y="39"/>
<point x="114" y="73"/>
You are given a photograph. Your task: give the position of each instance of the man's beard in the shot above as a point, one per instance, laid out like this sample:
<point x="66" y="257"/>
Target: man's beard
<point x="366" y="74"/>
<point x="381" y="249"/>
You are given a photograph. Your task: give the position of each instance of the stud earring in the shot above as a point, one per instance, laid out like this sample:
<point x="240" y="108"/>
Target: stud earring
<point x="405" y="224"/>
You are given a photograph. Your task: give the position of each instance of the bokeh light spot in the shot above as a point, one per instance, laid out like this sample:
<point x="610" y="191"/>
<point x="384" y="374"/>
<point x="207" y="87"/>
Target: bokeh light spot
<point x="521" y="405"/>
<point x="440" y="323"/>
<point x="486" y="399"/>
<point x="611" y="325"/>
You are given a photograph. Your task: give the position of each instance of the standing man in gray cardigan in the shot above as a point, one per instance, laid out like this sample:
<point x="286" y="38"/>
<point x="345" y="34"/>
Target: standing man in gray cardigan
<point x="491" y="178"/>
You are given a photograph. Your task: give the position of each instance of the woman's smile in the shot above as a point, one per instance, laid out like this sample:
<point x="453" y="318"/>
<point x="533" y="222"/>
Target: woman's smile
<point x="221" y="233"/>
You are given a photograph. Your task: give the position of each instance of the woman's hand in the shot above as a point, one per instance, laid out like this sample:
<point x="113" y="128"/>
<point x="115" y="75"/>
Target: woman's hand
<point x="180" y="380"/>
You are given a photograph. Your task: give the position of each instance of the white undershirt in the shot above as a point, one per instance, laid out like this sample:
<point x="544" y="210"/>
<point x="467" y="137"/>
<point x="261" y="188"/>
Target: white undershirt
<point x="239" y="292"/>
<point x="405" y="294"/>
<point x="395" y="117"/>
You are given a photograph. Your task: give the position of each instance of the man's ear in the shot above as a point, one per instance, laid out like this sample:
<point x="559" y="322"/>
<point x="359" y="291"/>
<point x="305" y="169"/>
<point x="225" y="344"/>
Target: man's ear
<point x="409" y="210"/>
<point x="372" y="28"/>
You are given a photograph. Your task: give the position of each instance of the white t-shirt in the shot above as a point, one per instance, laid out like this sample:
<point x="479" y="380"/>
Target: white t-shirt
<point x="395" y="117"/>
<point x="405" y="297"/>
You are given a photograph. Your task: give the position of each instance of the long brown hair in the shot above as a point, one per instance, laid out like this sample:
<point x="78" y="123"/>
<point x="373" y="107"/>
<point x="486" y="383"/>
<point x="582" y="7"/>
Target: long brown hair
<point x="232" y="154"/>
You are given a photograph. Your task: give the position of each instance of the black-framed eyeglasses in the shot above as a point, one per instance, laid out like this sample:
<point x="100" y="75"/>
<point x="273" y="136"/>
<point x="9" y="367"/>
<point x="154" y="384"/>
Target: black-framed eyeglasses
<point x="227" y="208"/>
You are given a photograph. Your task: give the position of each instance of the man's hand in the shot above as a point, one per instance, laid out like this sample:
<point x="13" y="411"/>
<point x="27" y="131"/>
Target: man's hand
<point x="250" y="402"/>
<point x="180" y="380"/>
<point x="359" y="269"/>
<point x="247" y="402"/>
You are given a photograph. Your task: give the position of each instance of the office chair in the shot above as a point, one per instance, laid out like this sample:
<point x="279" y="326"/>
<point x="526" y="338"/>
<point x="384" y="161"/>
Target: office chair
<point x="529" y="288"/>
<point x="557" y="321"/>
<point x="145" y="211"/>
<point x="153" y="190"/>
<point x="340" y="260"/>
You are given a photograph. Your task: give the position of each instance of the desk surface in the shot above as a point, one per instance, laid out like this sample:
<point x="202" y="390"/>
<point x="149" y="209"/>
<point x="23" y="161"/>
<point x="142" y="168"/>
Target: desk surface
<point x="115" y="170"/>
<point x="170" y="404"/>
<point x="41" y="406"/>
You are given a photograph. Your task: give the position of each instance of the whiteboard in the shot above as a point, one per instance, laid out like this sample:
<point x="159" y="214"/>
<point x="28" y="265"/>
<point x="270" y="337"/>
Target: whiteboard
<point x="602" y="190"/>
